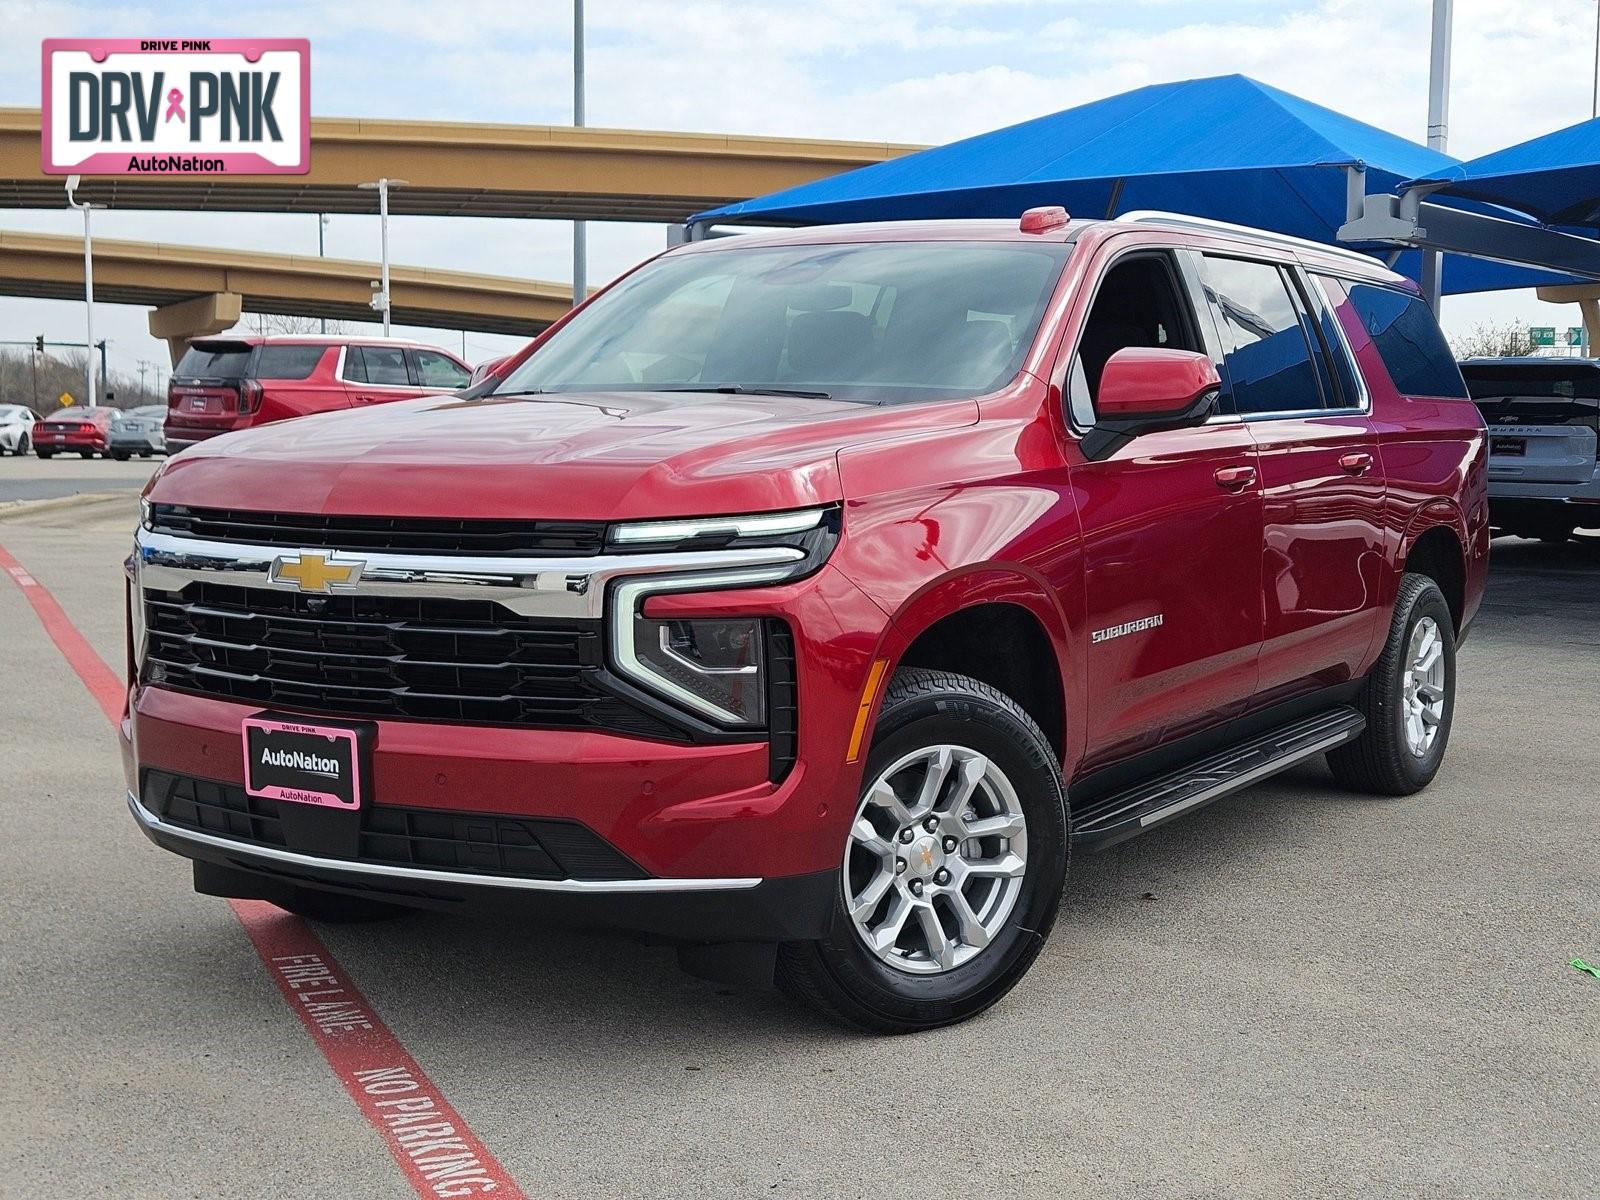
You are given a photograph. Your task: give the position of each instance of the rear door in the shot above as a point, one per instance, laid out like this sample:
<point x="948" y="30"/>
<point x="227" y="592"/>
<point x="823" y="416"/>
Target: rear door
<point x="207" y="383"/>
<point x="377" y="374"/>
<point x="1543" y="417"/>
<point x="1288" y="378"/>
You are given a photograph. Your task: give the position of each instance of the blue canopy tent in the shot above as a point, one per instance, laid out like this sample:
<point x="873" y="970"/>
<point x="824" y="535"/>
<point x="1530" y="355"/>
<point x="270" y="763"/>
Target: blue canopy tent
<point x="1228" y="148"/>
<point x="1555" y="178"/>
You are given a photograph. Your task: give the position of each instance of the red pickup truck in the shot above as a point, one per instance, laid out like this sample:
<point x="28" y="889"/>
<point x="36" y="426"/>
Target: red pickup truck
<point x="807" y="597"/>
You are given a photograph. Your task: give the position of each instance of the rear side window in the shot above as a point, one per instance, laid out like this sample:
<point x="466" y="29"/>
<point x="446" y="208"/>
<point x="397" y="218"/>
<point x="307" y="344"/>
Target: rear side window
<point x="435" y="370"/>
<point x="1264" y="343"/>
<point x="1402" y="327"/>
<point x="383" y="365"/>
<point x="288" y="362"/>
<point x="214" y="360"/>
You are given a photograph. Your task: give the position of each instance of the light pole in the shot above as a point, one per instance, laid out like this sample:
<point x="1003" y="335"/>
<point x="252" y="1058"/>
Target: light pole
<point x="88" y="287"/>
<point x="322" y="223"/>
<point x="381" y="300"/>
<point x="1438" y="130"/>
<point x="580" y="243"/>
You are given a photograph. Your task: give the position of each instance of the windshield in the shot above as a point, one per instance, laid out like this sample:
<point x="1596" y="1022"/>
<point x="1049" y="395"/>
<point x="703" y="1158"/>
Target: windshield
<point x="885" y="322"/>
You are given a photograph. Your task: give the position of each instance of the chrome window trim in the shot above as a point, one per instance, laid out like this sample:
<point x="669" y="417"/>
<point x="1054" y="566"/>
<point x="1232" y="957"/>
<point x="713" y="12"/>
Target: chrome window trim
<point x="153" y="824"/>
<point x="558" y="587"/>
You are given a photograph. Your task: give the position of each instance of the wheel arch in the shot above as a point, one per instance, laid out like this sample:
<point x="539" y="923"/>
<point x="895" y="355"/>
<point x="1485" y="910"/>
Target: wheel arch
<point x="1436" y="547"/>
<point x="1000" y="627"/>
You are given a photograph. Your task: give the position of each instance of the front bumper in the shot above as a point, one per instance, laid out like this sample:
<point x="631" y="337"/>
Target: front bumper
<point x="793" y="908"/>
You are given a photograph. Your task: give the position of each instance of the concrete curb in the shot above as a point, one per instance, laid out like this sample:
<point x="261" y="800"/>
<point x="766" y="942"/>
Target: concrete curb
<point x="26" y="508"/>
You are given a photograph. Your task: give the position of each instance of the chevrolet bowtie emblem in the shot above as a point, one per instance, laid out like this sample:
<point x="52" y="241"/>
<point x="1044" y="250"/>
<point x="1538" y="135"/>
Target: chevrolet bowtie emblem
<point x="315" y="572"/>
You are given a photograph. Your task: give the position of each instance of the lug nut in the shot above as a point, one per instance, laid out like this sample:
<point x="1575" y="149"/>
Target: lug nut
<point x="907" y="834"/>
<point x="941" y="877"/>
<point x="931" y="824"/>
<point x="916" y="887"/>
<point x="950" y="844"/>
<point x="899" y="866"/>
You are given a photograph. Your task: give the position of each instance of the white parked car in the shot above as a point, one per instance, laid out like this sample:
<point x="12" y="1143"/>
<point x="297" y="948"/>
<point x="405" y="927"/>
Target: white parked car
<point x="16" y="428"/>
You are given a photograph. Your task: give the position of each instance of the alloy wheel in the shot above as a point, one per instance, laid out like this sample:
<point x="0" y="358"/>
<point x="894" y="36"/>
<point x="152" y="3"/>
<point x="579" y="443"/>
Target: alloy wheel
<point x="1423" y="686"/>
<point x="936" y="859"/>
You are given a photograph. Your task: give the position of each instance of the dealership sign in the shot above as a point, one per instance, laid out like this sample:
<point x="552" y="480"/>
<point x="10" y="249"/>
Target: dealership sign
<point x="216" y="106"/>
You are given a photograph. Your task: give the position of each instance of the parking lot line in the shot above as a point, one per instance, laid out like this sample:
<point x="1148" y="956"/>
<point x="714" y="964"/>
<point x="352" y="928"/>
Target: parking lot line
<point x="433" y="1146"/>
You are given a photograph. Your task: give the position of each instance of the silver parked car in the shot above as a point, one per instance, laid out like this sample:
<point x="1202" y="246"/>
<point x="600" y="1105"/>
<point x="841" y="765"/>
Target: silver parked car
<point x="140" y="431"/>
<point x="16" y="428"/>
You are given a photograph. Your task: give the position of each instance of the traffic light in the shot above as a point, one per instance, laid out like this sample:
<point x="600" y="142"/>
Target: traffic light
<point x="38" y="344"/>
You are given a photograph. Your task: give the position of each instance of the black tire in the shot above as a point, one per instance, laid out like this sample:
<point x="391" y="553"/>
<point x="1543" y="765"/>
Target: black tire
<point x="335" y="908"/>
<point x="1556" y="537"/>
<point x="22" y="445"/>
<point x="86" y="454"/>
<point x="43" y="453"/>
<point x="1380" y="761"/>
<point x="120" y="455"/>
<point x="838" y="975"/>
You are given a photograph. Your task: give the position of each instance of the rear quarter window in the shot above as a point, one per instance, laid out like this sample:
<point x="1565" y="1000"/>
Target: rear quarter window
<point x="1408" y="340"/>
<point x="288" y="362"/>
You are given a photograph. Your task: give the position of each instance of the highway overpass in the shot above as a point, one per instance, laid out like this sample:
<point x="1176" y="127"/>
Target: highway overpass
<point x="467" y="169"/>
<point x="197" y="291"/>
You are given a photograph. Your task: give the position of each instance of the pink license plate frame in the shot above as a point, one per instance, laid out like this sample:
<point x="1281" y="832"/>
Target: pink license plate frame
<point x="334" y="737"/>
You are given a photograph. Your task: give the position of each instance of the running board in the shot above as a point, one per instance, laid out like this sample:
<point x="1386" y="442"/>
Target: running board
<point x="1129" y="813"/>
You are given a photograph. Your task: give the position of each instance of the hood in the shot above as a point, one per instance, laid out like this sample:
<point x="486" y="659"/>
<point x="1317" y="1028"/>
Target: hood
<point x="588" y="456"/>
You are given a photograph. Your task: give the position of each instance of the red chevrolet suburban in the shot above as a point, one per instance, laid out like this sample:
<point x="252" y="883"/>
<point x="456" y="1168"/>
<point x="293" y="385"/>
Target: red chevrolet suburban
<point x="235" y="382"/>
<point x="806" y="598"/>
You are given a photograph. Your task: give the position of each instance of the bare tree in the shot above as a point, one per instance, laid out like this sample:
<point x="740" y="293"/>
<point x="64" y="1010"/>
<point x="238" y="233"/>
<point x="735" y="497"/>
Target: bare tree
<point x="281" y="324"/>
<point x="1489" y="340"/>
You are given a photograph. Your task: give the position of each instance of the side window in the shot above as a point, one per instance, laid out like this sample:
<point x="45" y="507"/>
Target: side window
<point x="355" y="365"/>
<point x="288" y="362"/>
<point x="435" y="370"/>
<point x="1408" y="340"/>
<point x="386" y="365"/>
<point x="1264" y="342"/>
<point x="1331" y="296"/>
<point x="1138" y="303"/>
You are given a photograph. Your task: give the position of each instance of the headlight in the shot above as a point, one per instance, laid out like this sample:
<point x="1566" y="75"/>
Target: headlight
<point x="715" y="668"/>
<point x="146" y="512"/>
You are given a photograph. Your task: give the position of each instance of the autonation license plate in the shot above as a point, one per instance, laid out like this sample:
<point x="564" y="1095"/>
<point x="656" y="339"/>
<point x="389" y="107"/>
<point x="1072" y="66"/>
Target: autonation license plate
<point x="1509" y="445"/>
<point x="322" y="765"/>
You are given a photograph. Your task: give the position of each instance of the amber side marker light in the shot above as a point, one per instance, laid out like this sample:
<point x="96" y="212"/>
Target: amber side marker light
<point x="868" y="694"/>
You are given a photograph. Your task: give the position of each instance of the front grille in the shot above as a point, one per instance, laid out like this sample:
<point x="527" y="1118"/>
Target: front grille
<point x="425" y="659"/>
<point x="486" y="844"/>
<point x="408" y="535"/>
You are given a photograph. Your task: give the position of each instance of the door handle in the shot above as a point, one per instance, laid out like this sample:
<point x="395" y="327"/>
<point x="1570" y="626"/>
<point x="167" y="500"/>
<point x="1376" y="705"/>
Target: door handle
<point x="1235" y="478"/>
<point x="1356" y="463"/>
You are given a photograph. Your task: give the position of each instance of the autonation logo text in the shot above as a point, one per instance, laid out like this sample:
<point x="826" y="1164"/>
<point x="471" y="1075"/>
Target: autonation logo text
<point x="300" y="761"/>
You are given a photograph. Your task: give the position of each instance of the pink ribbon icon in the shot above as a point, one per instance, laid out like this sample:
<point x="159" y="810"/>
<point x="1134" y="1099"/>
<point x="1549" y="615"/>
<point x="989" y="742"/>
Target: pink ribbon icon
<point x="175" y="106"/>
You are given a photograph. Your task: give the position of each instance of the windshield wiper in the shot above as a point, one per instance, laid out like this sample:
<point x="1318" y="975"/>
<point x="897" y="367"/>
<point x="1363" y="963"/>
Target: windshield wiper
<point x="740" y="389"/>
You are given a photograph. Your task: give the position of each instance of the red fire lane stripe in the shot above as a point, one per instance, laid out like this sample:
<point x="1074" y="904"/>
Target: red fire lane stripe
<point x="438" y="1152"/>
<point x="102" y="682"/>
<point x="433" y="1145"/>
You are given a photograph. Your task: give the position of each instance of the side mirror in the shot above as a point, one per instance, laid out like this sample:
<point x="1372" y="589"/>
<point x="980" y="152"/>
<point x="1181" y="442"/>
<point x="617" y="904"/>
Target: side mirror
<point x="1146" y="389"/>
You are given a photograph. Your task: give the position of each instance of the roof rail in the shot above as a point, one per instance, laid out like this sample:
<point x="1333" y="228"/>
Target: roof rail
<point x="1154" y="217"/>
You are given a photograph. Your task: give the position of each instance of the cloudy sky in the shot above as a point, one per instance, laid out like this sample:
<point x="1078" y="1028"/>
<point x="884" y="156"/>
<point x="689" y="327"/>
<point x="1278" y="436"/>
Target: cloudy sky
<point x="900" y="70"/>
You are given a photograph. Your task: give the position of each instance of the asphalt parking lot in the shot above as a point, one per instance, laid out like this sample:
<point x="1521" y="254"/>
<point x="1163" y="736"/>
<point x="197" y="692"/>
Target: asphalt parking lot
<point x="1293" y="992"/>
<point x="32" y="478"/>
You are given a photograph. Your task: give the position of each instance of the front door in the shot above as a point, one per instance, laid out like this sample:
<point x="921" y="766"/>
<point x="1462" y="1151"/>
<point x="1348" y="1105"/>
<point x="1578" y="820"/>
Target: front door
<point x="1172" y="526"/>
